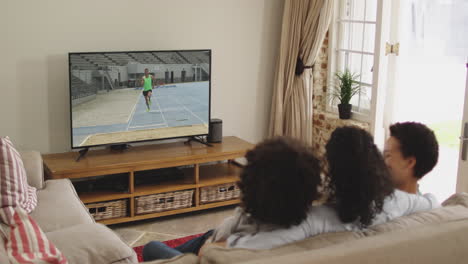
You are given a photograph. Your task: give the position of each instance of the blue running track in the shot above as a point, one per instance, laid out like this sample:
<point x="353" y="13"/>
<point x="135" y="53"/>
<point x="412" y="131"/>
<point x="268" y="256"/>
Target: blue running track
<point x="172" y="106"/>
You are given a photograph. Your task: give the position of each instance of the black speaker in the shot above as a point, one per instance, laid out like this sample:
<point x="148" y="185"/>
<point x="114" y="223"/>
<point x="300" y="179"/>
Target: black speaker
<point x="215" y="132"/>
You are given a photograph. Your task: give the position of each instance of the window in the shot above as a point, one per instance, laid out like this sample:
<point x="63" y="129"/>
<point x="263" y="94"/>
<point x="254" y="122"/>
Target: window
<point x="352" y="41"/>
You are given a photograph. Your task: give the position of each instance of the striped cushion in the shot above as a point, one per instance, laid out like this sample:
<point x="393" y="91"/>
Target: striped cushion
<point x="14" y="188"/>
<point x="24" y="240"/>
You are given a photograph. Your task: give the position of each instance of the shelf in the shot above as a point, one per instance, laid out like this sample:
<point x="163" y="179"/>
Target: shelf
<point x="187" y="182"/>
<point x="116" y="220"/>
<point x="102" y="196"/>
<point x="162" y="188"/>
<point x="209" y="175"/>
<point x="167" y="213"/>
<point x="218" y="204"/>
<point x="218" y="174"/>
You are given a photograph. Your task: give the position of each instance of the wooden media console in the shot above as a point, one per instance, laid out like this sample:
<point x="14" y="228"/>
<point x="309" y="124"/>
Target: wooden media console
<point x="199" y="167"/>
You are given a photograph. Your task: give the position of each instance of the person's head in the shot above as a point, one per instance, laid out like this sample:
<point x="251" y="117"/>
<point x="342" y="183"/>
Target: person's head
<point x="410" y="152"/>
<point x="280" y="181"/>
<point x="146" y="72"/>
<point x="358" y="180"/>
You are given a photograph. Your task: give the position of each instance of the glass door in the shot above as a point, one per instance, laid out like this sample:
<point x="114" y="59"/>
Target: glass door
<point x="462" y="179"/>
<point x="426" y="78"/>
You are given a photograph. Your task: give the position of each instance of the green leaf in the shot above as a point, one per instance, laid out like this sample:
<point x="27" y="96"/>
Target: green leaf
<point x="346" y="86"/>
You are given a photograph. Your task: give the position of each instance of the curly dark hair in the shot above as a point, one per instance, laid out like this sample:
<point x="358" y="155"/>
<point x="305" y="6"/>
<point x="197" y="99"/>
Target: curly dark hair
<point x="280" y="181"/>
<point x="358" y="179"/>
<point x="418" y="141"/>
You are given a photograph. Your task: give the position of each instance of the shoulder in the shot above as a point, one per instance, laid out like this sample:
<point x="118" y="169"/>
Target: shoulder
<point x="402" y="203"/>
<point x="432" y="198"/>
<point x="401" y="196"/>
<point x="398" y="199"/>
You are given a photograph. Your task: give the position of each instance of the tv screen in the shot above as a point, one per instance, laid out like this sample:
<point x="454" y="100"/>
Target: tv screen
<point x="122" y="97"/>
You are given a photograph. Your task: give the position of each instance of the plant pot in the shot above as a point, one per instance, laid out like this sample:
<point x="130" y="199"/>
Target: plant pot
<point x="344" y="111"/>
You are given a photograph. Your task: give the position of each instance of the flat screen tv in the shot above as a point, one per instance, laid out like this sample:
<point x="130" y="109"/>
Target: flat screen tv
<point x="135" y="96"/>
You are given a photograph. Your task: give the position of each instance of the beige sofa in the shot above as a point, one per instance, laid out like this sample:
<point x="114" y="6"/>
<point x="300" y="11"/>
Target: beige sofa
<point x="436" y="236"/>
<point x="66" y="222"/>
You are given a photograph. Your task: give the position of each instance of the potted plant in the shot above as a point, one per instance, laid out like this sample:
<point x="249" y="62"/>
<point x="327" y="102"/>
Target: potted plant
<point x="346" y="86"/>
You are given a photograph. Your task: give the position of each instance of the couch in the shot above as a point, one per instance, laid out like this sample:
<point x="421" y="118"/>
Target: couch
<point x="66" y="222"/>
<point x="436" y="236"/>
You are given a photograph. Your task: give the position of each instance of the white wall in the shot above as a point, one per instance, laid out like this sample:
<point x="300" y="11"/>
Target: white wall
<point x="35" y="37"/>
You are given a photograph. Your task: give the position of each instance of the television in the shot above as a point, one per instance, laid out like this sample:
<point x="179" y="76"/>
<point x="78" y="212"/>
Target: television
<point x="134" y="96"/>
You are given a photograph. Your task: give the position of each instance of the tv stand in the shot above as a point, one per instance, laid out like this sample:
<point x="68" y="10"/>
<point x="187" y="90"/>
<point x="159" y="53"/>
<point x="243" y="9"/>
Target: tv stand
<point x="203" y="168"/>
<point x="82" y="154"/>
<point x="199" y="140"/>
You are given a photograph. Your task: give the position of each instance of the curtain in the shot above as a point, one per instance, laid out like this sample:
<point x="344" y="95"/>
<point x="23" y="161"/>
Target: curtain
<point x="305" y="24"/>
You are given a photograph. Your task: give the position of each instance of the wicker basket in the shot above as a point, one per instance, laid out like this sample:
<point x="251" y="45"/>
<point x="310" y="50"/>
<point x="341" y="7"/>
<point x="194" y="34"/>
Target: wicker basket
<point x="163" y="202"/>
<point x="222" y="192"/>
<point x="107" y="210"/>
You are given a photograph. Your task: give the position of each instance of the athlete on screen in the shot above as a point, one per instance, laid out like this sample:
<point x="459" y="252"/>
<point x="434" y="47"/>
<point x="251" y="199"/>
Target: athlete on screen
<point x="147" y="82"/>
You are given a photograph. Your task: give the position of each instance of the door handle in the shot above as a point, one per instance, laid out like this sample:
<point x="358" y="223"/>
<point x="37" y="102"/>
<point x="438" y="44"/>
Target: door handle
<point x="464" y="140"/>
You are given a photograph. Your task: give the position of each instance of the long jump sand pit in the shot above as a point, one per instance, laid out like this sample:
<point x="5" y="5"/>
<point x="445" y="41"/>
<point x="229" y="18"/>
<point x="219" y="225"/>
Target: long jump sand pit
<point x="113" y="107"/>
<point x="147" y="134"/>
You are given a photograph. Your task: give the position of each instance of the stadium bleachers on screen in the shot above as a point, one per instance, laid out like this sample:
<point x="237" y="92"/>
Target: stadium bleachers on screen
<point x="94" y="61"/>
<point x="80" y="89"/>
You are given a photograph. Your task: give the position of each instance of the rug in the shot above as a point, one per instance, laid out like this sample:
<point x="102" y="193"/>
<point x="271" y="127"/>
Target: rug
<point x="172" y="243"/>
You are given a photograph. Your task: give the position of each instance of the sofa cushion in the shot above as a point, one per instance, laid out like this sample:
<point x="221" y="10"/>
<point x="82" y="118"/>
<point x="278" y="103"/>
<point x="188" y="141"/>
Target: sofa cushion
<point x="445" y="243"/>
<point x="126" y="261"/>
<point x="3" y="253"/>
<point x="181" y="259"/>
<point x="59" y="206"/>
<point x="14" y="188"/>
<point x="435" y="216"/>
<point x="33" y="165"/>
<point x="457" y="199"/>
<point x="455" y="208"/>
<point x="92" y="243"/>
<point x="214" y="254"/>
<point x="24" y="240"/>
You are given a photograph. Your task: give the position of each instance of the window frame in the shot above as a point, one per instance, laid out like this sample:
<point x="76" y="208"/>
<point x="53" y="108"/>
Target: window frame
<point x="334" y="36"/>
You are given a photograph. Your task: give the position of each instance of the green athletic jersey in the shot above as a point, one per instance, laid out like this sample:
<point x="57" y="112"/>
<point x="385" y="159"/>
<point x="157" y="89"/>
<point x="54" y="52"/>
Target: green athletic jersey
<point x="148" y="85"/>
